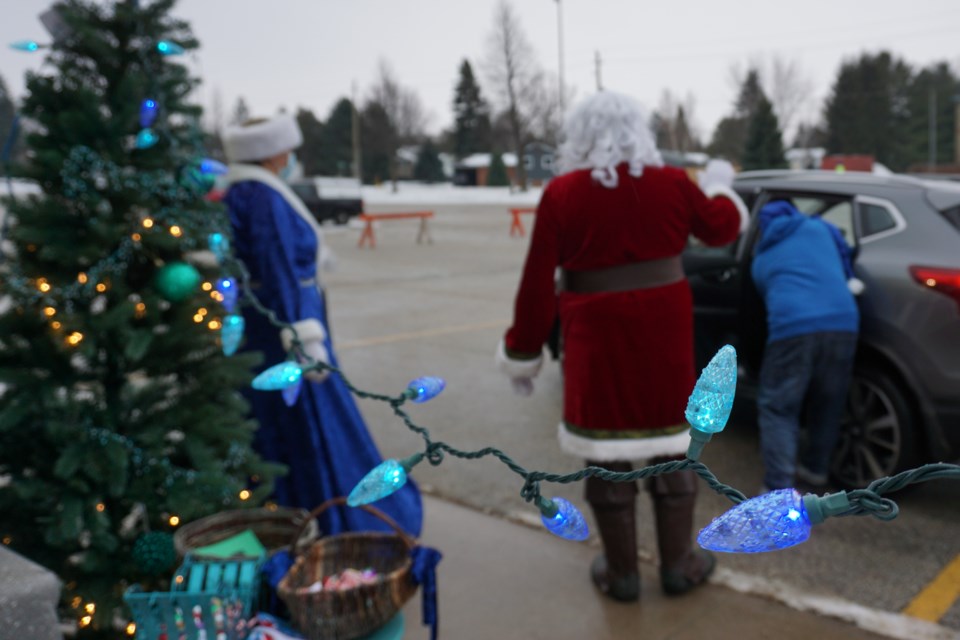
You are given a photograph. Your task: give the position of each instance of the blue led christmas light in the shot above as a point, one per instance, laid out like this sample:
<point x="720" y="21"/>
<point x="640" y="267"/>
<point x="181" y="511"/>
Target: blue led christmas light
<point x="563" y="519"/>
<point x="712" y="399"/>
<point x="291" y="393"/>
<point x="210" y="166"/>
<point x="769" y="522"/>
<point x="231" y="333"/>
<point x="220" y="245"/>
<point x="385" y="479"/>
<point x="425" y="388"/>
<point x="167" y="48"/>
<point x="148" y="112"/>
<point x="279" y="376"/>
<point x="147" y="138"/>
<point x="25" y="45"/>
<point x="228" y="289"/>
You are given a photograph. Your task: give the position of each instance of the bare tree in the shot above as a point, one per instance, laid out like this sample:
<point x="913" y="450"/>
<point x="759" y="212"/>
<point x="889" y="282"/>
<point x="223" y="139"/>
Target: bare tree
<point x="788" y="88"/>
<point x="404" y="110"/>
<point x="517" y="81"/>
<point x="673" y="123"/>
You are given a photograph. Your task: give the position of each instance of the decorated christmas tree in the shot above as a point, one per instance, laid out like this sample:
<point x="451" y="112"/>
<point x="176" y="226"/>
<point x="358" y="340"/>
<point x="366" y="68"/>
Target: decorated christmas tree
<point x="120" y="415"/>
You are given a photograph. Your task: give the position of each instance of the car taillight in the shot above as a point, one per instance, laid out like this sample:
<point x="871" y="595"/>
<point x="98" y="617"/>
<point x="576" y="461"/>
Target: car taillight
<point x="940" y="279"/>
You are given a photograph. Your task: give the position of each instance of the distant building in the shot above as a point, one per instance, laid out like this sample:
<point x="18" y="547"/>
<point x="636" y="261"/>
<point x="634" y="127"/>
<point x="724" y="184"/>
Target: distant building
<point x="538" y="159"/>
<point x="800" y="158"/>
<point x="841" y="162"/>
<point x="473" y="170"/>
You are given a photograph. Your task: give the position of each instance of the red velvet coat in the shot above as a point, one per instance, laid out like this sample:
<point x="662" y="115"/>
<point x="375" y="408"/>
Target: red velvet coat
<point x="628" y="356"/>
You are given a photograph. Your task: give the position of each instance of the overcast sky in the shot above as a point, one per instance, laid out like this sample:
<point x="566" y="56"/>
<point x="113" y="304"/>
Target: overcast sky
<point x="309" y="53"/>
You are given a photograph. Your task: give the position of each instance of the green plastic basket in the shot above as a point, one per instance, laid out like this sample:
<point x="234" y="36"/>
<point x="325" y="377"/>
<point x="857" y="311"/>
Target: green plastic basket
<point x="215" y="595"/>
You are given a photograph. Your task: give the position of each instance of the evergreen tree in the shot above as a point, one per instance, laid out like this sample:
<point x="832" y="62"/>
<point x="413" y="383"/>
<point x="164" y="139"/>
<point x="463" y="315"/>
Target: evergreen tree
<point x="730" y="137"/>
<point x="868" y="109"/>
<point x="497" y="176"/>
<point x="376" y="134"/>
<point x="310" y="153"/>
<point x="7" y="115"/>
<point x="935" y="86"/>
<point x="764" y="145"/>
<point x="471" y="115"/>
<point x="429" y="168"/>
<point x="336" y="144"/>
<point x="120" y="412"/>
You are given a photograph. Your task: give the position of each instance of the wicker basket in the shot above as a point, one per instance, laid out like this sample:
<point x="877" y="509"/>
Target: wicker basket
<point x="273" y="526"/>
<point x="343" y="615"/>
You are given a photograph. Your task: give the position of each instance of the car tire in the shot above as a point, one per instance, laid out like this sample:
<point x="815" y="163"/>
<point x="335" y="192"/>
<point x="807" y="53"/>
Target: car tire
<point x="342" y="217"/>
<point x="878" y="434"/>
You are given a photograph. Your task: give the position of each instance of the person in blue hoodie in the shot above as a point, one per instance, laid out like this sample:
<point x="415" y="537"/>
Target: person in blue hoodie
<point x="321" y="438"/>
<point x="803" y="271"/>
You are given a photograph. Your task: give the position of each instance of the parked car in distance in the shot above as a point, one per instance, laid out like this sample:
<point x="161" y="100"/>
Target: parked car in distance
<point x="328" y="198"/>
<point x="903" y="407"/>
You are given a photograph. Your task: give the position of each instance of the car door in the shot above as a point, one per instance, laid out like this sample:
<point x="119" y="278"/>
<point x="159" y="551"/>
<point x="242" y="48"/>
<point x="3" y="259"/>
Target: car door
<point x="716" y="280"/>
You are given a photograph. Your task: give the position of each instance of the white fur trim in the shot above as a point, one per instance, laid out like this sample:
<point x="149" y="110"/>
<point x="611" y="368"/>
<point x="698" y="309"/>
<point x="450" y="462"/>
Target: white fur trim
<point x="262" y="140"/>
<point x="517" y="368"/>
<point x="309" y="330"/>
<point x="856" y="286"/>
<point x="256" y="173"/>
<point x="717" y="189"/>
<point x="608" y="450"/>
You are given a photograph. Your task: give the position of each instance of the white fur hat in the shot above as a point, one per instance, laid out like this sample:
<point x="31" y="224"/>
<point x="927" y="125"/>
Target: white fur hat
<point x="262" y="140"/>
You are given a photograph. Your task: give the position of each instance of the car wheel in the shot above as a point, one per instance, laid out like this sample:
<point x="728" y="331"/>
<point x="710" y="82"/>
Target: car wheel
<point x="877" y="435"/>
<point x="343" y="217"/>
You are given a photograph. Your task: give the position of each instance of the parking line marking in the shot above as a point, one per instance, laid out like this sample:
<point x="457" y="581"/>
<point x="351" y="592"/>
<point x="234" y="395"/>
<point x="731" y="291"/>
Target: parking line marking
<point x="938" y="596"/>
<point x="414" y="335"/>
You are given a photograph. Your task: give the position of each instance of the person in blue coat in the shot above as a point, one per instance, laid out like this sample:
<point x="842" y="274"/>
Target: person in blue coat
<point x="804" y="273"/>
<point x="321" y="438"/>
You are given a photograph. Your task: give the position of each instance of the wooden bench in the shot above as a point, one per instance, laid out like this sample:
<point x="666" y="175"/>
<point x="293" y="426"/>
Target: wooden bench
<point x="370" y="218"/>
<point x="516" y="224"/>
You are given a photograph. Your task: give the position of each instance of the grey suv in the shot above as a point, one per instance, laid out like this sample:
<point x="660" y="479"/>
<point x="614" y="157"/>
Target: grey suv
<point x="904" y="402"/>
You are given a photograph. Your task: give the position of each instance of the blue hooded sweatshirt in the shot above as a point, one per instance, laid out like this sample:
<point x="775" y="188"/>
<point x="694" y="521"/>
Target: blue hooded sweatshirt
<point x="801" y="270"/>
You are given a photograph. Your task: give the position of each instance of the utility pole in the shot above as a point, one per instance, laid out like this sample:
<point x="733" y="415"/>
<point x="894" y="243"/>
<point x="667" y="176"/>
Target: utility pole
<point x="355" y="134"/>
<point x="598" y="63"/>
<point x="560" y="54"/>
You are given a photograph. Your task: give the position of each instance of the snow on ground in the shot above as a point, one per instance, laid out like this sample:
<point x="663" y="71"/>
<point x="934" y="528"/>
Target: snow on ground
<point x="420" y="194"/>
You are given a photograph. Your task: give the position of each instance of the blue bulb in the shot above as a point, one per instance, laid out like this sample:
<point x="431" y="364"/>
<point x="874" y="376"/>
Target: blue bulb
<point x="213" y="167"/>
<point x="291" y="393"/>
<point x="712" y="399"/>
<point x="279" y="376"/>
<point x="147" y="138"/>
<point x="228" y="289"/>
<point x="384" y="479"/>
<point x="168" y="48"/>
<point x="772" y="521"/>
<point x="219" y="244"/>
<point x="148" y="112"/>
<point x="231" y="334"/>
<point x="25" y="45"/>
<point x="567" y="522"/>
<point x="425" y="388"/>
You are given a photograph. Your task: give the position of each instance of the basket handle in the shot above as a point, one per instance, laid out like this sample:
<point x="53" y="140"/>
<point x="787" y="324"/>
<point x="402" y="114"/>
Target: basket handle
<point x="333" y="502"/>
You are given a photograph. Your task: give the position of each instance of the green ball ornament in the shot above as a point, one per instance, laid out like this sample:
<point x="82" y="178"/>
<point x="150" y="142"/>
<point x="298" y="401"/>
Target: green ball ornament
<point x="177" y="281"/>
<point x="154" y="553"/>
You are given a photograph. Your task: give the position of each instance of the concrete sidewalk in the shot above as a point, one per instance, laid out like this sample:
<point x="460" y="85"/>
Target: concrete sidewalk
<point x="503" y="580"/>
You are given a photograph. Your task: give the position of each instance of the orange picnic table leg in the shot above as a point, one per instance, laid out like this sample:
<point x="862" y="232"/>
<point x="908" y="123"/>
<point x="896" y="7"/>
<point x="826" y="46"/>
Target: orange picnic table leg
<point x="368" y="235"/>
<point x="424" y="232"/>
<point x="516" y="226"/>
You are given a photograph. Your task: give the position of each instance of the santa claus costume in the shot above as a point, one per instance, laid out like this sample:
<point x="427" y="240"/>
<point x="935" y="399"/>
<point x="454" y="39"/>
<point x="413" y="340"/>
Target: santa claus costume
<point x="616" y="222"/>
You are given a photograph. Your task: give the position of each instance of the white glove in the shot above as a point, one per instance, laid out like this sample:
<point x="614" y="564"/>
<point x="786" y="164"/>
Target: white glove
<point x="522" y="386"/>
<point x="311" y="334"/>
<point x="717" y="172"/>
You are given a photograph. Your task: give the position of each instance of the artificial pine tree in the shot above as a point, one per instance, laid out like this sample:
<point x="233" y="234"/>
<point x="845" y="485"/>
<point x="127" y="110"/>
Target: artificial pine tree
<point x="120" y="414"/>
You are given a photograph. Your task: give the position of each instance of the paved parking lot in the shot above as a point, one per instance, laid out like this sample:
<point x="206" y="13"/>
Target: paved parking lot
<point x="403" y="310"/>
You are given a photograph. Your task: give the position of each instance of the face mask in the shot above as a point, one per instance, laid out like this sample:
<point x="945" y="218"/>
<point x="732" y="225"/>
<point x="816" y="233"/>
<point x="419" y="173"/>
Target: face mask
<point x="288" y="171"/>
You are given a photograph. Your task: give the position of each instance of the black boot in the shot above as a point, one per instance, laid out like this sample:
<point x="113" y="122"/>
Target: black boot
<point x="681" y="566"/>
<point x="615" y="571"/>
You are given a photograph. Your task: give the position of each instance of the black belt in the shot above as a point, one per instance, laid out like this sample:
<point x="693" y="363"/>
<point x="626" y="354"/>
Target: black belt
<point x="627" y="277"/>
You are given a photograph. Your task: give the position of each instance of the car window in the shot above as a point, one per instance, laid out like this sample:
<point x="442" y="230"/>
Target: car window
<point x="875" y="219"/>
<point x="841" y="215"/>
<point x="305" y="191"/>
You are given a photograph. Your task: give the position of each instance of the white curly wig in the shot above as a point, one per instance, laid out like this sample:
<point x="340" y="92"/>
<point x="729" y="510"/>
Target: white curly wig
<point x="604" y="130"/>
